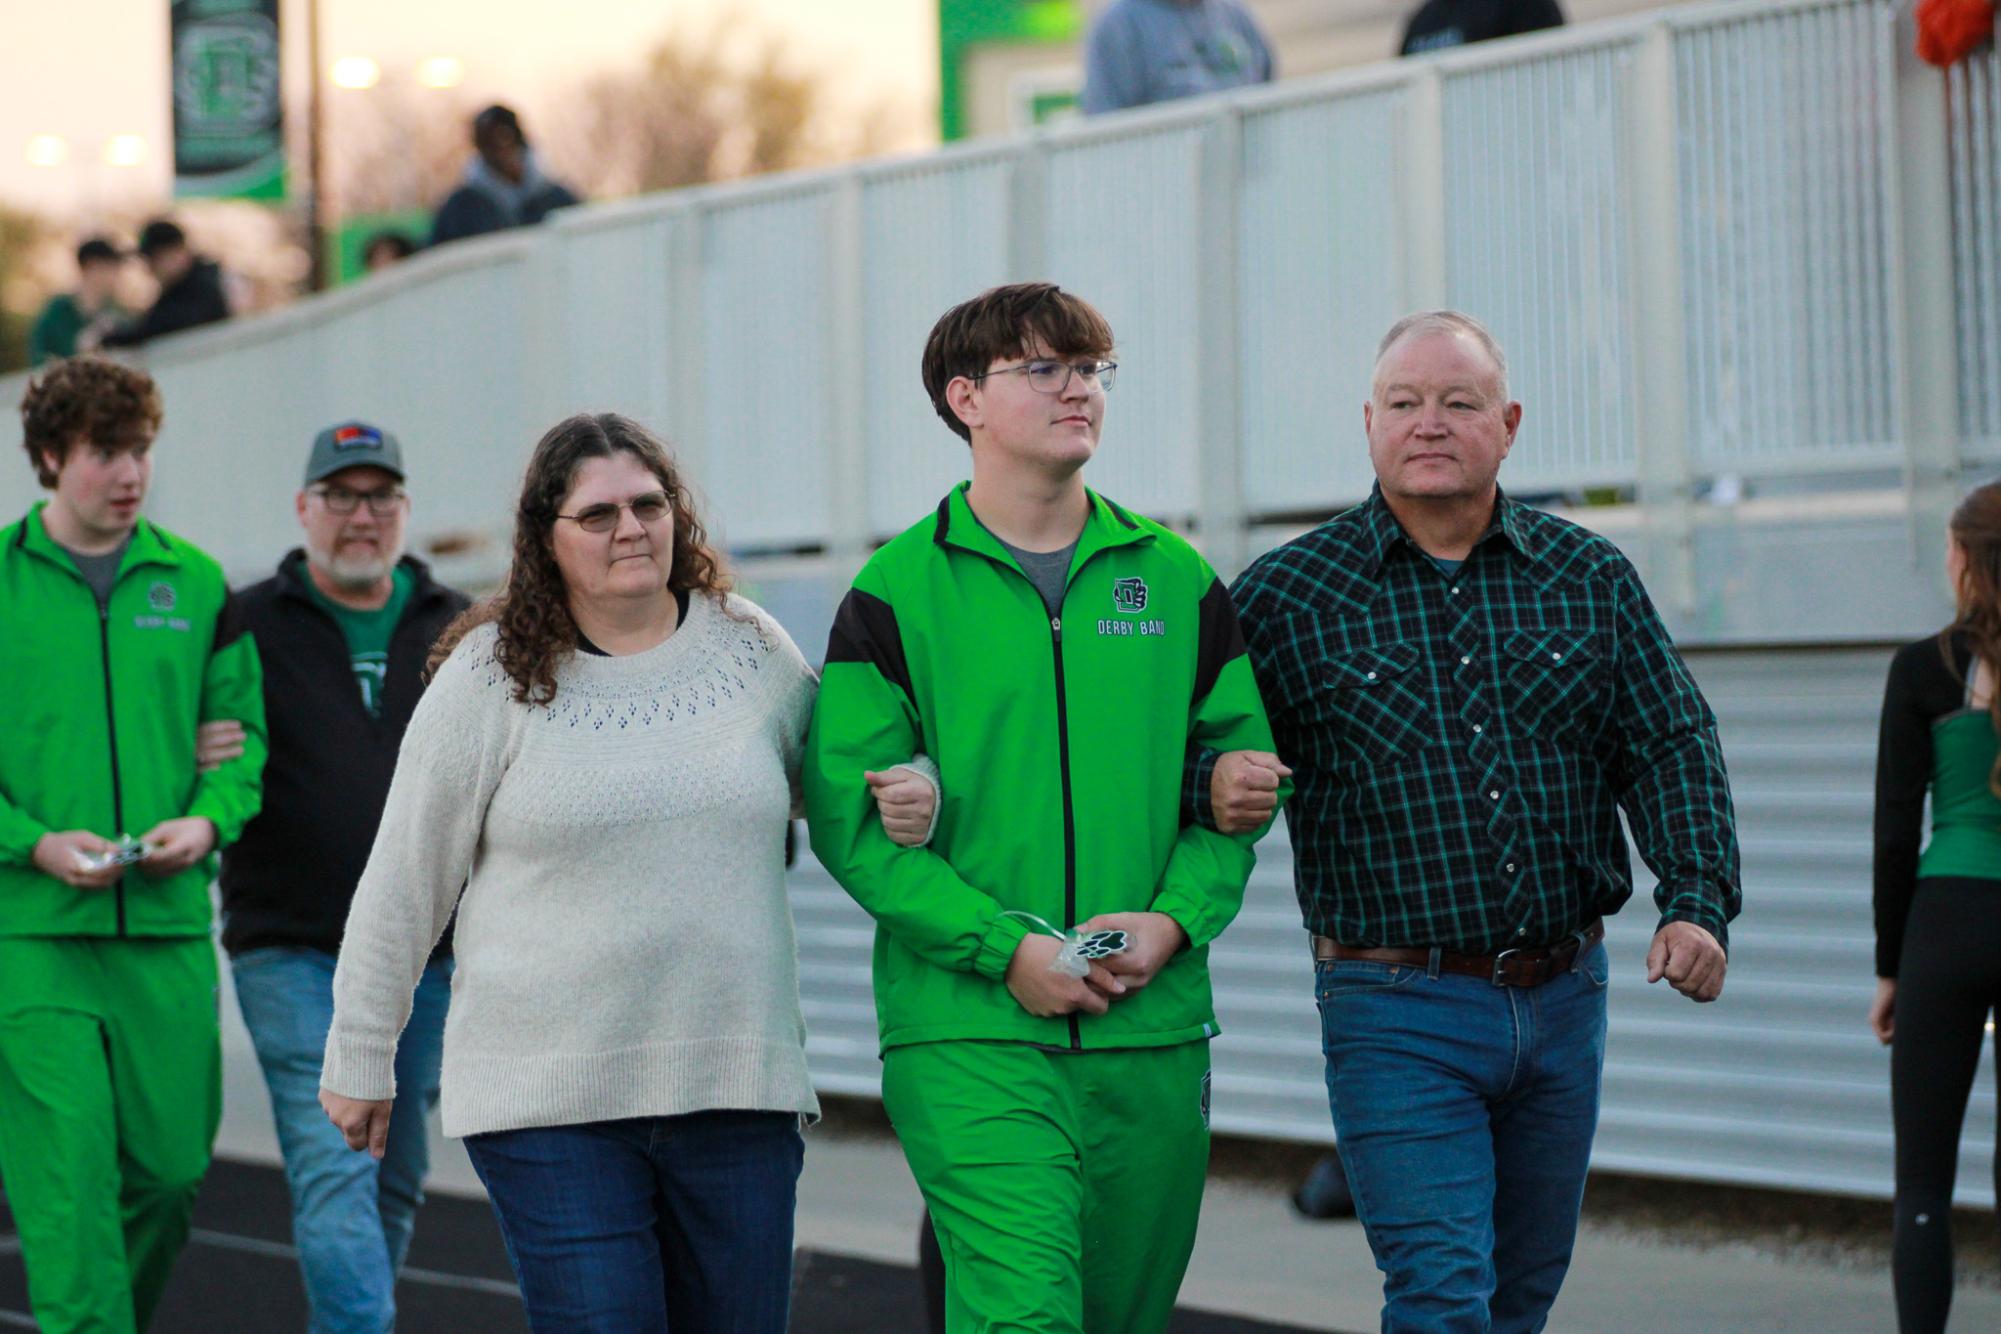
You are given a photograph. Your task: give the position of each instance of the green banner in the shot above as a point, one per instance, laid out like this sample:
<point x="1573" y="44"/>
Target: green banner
<point x="963" y="24"/>
<point x="229" y="125"/>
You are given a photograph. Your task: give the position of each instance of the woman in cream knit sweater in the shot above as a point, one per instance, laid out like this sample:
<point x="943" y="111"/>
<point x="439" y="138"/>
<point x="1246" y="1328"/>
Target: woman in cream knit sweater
<point x="605" y="762"/>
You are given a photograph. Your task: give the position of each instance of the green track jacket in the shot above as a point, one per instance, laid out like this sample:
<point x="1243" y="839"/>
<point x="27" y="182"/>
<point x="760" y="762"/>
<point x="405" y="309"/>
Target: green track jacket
<point x="101" y="711"/>
<point x="1060" y="741"/>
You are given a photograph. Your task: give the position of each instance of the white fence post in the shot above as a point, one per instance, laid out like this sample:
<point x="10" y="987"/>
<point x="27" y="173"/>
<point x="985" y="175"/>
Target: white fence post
<point x="687" y="394"/>
<point x="1925" y="410"/>
<point x="1028" y="212"/>
<point x="1665" y="473"/>
<point x="847" y="473"/>
<point x="1219" y="508"/>
<point x="1421" y="235"/>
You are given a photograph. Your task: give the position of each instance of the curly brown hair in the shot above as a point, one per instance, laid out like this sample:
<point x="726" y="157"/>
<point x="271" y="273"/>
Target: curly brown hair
<point x="86" y="398"/>
<point x="532" y="608"/>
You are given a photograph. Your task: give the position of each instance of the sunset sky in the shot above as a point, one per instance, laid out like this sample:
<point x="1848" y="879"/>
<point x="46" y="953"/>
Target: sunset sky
<point x="91" y="70"/>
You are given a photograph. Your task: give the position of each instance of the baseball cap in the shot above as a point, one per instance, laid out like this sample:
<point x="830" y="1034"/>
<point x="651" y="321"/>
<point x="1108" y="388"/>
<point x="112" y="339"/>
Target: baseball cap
<point x="353" y="445"/>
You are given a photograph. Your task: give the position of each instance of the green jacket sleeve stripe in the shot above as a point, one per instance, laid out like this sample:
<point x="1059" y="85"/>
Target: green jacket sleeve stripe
<point x="1220" y="641"/>
<point x="865" y="631"/>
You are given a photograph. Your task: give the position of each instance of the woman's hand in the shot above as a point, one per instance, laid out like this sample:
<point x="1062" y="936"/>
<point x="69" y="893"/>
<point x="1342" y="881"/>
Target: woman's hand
<point x="1883" y="1010"/>
<point x="363" y="1122"/>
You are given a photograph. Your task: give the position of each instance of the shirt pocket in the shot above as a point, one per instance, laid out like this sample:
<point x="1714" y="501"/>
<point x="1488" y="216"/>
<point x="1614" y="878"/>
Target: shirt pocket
<point x="1556" y="684"/>
<point x="1375" y="701"/>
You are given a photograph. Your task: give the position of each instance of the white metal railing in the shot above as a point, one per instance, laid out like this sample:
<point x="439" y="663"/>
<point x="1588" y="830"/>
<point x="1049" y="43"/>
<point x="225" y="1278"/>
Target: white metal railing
<point x="1685" y="226"/>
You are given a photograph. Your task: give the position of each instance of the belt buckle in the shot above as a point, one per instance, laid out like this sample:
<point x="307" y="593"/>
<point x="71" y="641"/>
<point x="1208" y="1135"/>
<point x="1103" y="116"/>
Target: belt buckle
<point x="1500" y="964"/>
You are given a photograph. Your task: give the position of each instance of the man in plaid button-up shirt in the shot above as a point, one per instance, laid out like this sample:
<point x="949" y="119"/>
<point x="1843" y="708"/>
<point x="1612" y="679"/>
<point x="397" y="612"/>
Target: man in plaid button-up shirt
<point x="1468" y="691"/>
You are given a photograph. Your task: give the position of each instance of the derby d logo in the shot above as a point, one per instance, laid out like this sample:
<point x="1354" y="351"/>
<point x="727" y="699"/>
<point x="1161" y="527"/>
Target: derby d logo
<point x="160" y="597"/>
<point x="1129" y="595"/>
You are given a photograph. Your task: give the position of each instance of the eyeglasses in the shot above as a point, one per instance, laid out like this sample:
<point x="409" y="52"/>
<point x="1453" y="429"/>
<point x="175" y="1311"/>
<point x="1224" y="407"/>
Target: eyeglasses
<point x="382" y="504"/>
<point x="649" y="508"/>
<point x="1053" y="377"/>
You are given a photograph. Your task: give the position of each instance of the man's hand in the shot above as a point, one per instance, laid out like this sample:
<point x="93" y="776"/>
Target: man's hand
<point x="1152" y="938"/>
<point x="56" y="855"/>
<point x="217" y="743"/>
<point x="178" y="844"/>
<point x="906" y="803"/>
<point x="1046" y="993"/>
<point x="1883" y="1010"/>
<point x="363" y="1123"/>
<point x="1690" y="959"/>
<point x="1243" y="789"/>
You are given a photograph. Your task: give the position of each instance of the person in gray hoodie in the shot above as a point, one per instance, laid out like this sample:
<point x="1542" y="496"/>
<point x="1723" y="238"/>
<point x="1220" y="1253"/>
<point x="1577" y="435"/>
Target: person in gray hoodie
<point x="504" y="185"/>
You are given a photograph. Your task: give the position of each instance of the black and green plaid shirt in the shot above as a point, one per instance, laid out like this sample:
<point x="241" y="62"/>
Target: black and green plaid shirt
<point x="1462" y="744"/>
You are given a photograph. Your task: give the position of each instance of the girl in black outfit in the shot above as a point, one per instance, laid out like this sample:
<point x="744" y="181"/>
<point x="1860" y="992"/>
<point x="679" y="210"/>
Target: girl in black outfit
<point x="1938" y="914"/>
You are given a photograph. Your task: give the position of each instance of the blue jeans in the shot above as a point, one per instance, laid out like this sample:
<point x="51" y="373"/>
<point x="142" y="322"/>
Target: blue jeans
<point x="1464" y="1114"/>
<point x="680" y="1223"/>
<point x="351" y="1215"/>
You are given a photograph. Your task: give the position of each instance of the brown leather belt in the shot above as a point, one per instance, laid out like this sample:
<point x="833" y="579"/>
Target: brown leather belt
<point x="1509" y="968"/>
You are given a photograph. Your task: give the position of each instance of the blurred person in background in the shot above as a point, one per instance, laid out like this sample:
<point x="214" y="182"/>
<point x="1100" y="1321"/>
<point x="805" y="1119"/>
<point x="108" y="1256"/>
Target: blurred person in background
<point x="598" y="780"/>
<point x="94" y="303"/>
<point x="342" y="631"/>
<point x="1144" y="51"/>
<point x="190" y="288"/>
<point x="1938" y="912"/>
<point x="117" y="639"/>
<point x="504" y="184"/>
<point x="386" y="248"/>
<point x="1439" y="24"/>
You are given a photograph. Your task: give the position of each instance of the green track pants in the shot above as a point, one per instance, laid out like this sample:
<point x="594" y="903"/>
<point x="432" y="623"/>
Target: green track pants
<point x="1064" y="1186"/>
<point x="110" y="1092"/>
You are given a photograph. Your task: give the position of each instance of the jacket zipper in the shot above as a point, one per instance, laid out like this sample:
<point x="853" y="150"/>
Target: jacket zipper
<point x="1069" y="815"/>
<point x="111" y="734"/>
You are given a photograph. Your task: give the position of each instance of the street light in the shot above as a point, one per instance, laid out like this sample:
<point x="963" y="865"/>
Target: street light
<point x="125" y="150"/>
<point x="47" y="150"/>
<point x="356" y="72"/>
<point x="441" y="72"/>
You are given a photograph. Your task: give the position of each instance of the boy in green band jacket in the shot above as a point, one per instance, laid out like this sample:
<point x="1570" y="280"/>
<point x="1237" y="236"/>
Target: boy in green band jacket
<point x="116" y="639"/>
<point x="1054" y="653"/>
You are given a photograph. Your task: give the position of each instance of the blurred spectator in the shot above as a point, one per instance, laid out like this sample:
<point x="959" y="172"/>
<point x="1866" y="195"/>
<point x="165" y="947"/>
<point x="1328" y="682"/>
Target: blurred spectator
<point x="1143" y="51"/>
<point x="68" y="314"/>
<point x="504" y="185"/>
<point x="1442" y="23"/>
<point x="190" y="288"/>
<point x="386" y="248"/>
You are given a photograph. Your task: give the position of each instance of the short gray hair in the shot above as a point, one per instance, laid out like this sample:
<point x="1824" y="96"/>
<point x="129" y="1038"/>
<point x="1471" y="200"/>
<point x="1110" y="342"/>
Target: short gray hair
<point x="1444" y="322"/>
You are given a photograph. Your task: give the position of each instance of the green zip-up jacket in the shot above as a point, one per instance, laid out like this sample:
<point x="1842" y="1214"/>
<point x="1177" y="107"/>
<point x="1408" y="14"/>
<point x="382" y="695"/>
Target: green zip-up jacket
<point x="1060" y="743"/>
<point x="100" y="732"/>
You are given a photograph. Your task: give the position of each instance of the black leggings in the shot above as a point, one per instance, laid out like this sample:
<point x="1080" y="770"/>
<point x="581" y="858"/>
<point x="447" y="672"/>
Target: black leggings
<point x="1947" y="982"/>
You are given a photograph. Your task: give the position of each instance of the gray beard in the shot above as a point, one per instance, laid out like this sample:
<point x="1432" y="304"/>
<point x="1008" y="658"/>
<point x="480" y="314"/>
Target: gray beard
<point x="354" y="573"/>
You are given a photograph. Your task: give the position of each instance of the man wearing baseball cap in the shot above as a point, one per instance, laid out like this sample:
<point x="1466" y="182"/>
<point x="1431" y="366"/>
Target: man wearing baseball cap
<point x="343" y="629"/>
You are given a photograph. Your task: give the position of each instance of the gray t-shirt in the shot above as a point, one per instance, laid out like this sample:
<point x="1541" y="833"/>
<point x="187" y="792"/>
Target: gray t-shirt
<point x="100" y="572"/>
<point x="1144" y="51"/>
<point x="1049" y="571"/>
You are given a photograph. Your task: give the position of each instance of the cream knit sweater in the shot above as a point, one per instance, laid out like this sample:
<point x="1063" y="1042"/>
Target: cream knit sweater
<point x="624" y="943"/>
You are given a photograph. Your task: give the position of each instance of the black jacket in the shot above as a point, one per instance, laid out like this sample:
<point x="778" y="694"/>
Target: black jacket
<point x="1439" y="24"/>
<point x="195" y="299"/>
<point x="469" y="211"/>
<point x="290" y="878"/>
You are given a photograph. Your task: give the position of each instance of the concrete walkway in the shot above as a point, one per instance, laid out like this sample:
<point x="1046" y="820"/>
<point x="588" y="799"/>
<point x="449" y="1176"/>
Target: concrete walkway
<point x="1254" y="1257"/>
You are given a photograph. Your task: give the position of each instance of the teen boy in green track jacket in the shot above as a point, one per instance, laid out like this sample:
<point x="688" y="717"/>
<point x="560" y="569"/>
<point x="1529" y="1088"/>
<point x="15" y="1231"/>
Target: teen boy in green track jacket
<point x="1055" y="654"/>
<point x="116" y="639"/>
